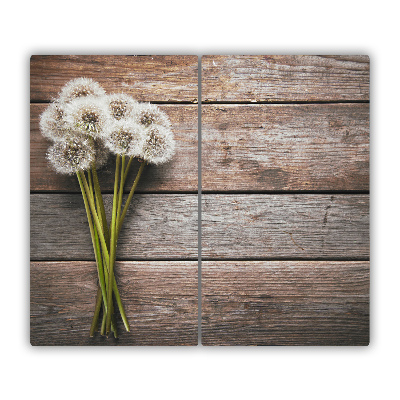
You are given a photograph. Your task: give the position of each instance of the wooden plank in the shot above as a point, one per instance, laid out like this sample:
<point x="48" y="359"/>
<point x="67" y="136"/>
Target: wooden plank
<point x="147" y="78"/>
<point x="285" y="147"/>
<point x="260" y="226"/>
<point x="285" y="303"/>
<point x="155" y="227"/>
<point x="180" y="174"/>
<point x="160" y="300"/>
<point x="284" y="78"/>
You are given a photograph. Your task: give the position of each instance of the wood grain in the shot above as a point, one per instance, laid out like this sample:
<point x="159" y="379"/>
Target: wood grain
<point x="246" y="148"/>
<point x="180" y="174"/>
<point x="285" y="147"/>
<point x="160" y="299"/>
<point x="259" y="226"/>
<point x="284" y="78"/>
<point x="285" y="303"/>
<point x="147" y="78"/>
<point x="156" y="227"/>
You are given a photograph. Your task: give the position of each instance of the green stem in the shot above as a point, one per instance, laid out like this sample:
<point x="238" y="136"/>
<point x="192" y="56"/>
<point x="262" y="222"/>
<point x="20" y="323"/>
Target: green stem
<point x="103" y="324"/>
<point x="94" y="196"/>
<point x="100" y="204"/>
<point x="112" y="244"/>
<point x="127" y="168"/>
<point x="135" y="183"/>
<point x="95" y="319"/>
<point x="120" y="306"/>
<point x="93" y="235"/>
<point x="117" y="298"/>
<point x="82" y="179"/>
<point x="98" y="253"/>
<point x="100" y="268"/>
<point x="121" y="188"/>
<point x="121" y="193"/>
<point x="114" y="326"/>
<point x="96" y="247"/>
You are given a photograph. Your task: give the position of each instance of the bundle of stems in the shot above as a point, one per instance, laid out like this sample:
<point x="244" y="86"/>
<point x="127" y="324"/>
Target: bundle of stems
<point x="86" y="125"/>
<point x="105" y="239"/>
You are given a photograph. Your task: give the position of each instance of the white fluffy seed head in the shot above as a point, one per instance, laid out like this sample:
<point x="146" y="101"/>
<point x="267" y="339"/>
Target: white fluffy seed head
<point x="52" y="122"/>
<point x="120" y="105"/>
<point x="87" y="115"/>
<point x="159" y="144"/>
<point x="125" y="137"/>
<point x="72" y="155"/>
<point x="147" y="114"/>
<point x="80" y="88"/>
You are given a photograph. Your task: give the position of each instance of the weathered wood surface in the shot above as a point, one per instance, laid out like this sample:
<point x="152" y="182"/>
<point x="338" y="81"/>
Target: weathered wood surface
<point x="147" y="78"/>
<point x="160" y="300"/>
<point x="156" y="227"/>
<point x="285" y="78"/>
<point x="285" y="303"/>
<point x="263" y="226"/>
<point x="160" y="297"/>
<point x="180" y="174"/>
<point x="285" y="147"/>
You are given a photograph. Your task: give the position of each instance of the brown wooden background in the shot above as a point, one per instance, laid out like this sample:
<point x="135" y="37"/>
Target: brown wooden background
<point x="157" y="253"/>
<point x="285" y="203"/>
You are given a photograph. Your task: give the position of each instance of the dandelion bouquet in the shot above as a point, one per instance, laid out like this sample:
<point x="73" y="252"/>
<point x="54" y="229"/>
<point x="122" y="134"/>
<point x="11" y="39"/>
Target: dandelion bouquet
<point x="86" y="126"/>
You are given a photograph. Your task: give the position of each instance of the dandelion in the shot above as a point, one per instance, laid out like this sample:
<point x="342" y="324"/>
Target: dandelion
<point x="159" y="145"/>
<point x="52" y="122"/>
<point x="148" y="114"/>
<point x="86" y="125"/>
<point x="125" y="138"/>
<point x="71" y="156"/>
<point x="120" y="105"/>
<point x="80" y="87"/>
<point x="87" y="115"/>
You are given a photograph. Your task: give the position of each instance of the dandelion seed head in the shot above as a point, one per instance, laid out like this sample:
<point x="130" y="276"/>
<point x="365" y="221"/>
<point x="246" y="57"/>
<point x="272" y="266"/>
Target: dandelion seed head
<point x="159" y="144"/>
<point x="147" y="114"/>
<point x="80" y="88"/>
<point x="72" y="155"/>
<point x="52" y="122"/>
<point x="120" y="105"/>
<point x="87" y="115"/>
<point x="125" y="137"/>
